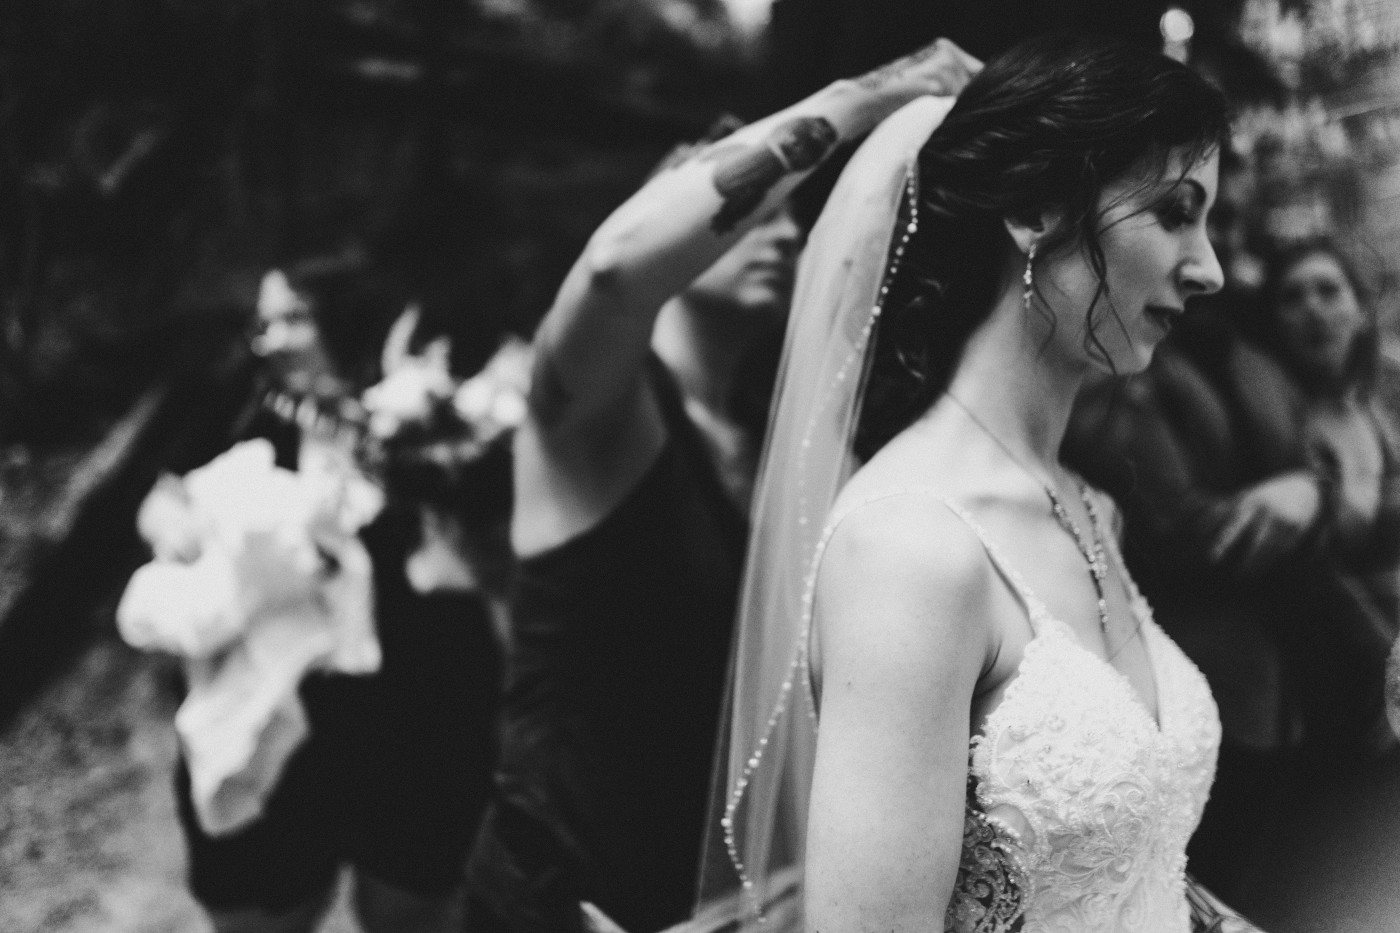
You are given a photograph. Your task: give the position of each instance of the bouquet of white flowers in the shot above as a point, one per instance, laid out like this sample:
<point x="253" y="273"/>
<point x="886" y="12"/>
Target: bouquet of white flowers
<point x="420" y="411"/>
<point x="259" y="577"/>
<point x="440" y="441"/>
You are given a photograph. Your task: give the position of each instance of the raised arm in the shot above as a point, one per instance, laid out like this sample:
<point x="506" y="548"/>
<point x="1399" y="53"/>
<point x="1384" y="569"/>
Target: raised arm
<point x="594" y="339"/>
<point x="904" y="603"/>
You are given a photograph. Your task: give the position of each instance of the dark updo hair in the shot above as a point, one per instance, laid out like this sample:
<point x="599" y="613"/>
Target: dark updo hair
<point x="1045" y="125"/>
<point x="1265" y="330"/>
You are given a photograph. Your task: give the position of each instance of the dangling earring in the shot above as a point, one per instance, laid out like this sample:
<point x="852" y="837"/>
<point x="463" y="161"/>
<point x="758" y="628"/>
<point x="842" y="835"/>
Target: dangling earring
<point x="1027" y="280"/>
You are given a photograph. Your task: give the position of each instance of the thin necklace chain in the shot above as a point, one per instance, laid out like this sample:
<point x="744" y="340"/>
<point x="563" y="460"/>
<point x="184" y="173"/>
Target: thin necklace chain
<point x="1092" y="550"/>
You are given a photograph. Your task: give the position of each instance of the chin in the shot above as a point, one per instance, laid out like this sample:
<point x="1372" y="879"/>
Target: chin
<point x="1127" y="361"/>
<point x="761" y="300"/>
<point x="770" y="310"/>
<point x="1142" y="359"/>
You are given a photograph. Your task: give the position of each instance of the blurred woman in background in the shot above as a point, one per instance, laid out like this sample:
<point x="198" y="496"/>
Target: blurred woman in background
<point x="1259" y="474"/>
<point x="386" y="765"/>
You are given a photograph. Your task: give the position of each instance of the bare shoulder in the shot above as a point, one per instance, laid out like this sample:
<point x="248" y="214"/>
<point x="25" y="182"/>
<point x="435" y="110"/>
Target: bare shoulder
<point x="910" y="531"/>
<point x="903" y="571"/>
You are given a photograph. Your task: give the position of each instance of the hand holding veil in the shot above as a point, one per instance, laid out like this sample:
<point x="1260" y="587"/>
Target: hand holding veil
<point x="751" y="872"/>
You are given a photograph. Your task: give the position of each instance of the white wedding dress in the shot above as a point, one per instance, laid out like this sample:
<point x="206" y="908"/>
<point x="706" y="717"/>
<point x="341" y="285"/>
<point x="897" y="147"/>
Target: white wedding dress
<point x="1110" y="794"/>
<point x="1106" y="796"/>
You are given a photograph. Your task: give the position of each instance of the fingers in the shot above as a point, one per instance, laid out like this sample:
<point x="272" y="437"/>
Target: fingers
<point x="939" y="68"/>
<point x="1229" y="536"/>
<point x="1254" y="539"/>
<point x="1260" y="546"/>
<point x="970" y="63"/>
<point x="595" y="921"/>
<point x="1252" y="548"/>
<point x="950" y="67"/>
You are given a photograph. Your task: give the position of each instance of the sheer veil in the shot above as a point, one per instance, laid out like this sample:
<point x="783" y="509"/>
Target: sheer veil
<point x="751" y="871"/>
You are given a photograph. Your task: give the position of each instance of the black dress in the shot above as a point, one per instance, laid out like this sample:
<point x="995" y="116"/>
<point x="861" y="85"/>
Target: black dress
<point x="613" y="695"/>
<point x="395" y="773"/>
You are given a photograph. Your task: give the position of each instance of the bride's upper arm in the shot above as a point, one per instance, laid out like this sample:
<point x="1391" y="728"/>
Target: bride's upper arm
<point x="903" y="602"/>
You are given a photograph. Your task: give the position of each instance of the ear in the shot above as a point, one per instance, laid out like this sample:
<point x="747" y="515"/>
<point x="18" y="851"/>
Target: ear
<point x="1031" y="227"/>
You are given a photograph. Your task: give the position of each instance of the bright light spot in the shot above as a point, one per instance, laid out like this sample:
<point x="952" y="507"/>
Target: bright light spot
<point x="1177" y="25"/>
<point x="750" y="16"/>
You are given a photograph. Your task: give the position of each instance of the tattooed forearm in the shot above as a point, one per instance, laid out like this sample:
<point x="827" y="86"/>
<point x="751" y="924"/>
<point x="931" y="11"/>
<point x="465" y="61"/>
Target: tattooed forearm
<point x="744" y="174"/>
<point x="550" y="397"/>
<point x="693" y="151"/>
<point x="897" y="69"/>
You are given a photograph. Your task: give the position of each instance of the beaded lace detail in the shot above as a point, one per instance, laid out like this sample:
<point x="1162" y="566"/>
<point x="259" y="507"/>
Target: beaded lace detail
<point x="993" y="883"/>
<point x="1110" y="796"/>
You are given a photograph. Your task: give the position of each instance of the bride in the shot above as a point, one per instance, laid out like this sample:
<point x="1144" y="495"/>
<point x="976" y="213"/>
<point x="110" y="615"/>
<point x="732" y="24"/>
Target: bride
<point x="950" y="701"/>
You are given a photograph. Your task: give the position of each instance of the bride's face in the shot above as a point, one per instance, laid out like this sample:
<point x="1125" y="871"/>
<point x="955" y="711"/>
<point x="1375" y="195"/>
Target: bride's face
<point x="1156" y="256"/>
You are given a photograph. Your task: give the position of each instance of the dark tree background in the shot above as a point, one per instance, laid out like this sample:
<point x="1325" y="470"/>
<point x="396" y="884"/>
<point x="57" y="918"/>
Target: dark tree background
<point x="163" y="153"/>
<point x="816" y="41"/>
<point x="159" y="155"/>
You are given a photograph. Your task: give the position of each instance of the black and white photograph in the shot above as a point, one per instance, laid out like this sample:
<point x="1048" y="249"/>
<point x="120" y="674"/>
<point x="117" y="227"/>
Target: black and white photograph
<point x="699" y="466"/>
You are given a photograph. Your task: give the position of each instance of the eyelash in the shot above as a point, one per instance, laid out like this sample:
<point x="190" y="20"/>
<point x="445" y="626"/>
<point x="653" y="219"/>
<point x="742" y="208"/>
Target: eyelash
<point x="1175" y="215"/>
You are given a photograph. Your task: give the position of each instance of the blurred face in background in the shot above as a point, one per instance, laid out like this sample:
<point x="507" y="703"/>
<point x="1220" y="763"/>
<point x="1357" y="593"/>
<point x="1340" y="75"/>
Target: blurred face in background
<point x="1318" y="313"/>
<point x="755" y="277"/>
<point x="289" y="339"/>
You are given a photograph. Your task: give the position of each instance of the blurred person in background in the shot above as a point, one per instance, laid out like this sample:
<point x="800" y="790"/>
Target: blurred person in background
<point x="633" y="471"/>
<point x="1257" y="464"/>
<point x="390" y="767"/>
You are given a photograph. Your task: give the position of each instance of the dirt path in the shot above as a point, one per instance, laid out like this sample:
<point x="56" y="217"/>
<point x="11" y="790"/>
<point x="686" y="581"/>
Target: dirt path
<point x="88" y="837"/>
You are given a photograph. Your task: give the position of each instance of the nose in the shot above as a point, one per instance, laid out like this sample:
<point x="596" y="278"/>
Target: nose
<point x="1200" y="272"/>
<point x="785" y="232"/>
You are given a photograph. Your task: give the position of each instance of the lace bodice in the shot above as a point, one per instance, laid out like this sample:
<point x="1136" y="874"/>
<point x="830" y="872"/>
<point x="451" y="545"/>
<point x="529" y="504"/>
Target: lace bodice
<point x="1110" y="796"/>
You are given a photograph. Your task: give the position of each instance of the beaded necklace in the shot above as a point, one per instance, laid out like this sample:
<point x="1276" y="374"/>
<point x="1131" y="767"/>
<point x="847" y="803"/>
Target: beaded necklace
<point x="1092" y="549"/>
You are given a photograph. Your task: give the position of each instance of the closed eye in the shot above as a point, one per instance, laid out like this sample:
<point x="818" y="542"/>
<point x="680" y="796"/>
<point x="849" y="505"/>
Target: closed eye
<point x="1183" y="205"/>
<point x="1177" y="215"/>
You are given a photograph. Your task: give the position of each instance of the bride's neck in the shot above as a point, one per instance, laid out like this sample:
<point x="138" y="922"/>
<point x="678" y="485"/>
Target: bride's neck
<point x="1016" y="380"/>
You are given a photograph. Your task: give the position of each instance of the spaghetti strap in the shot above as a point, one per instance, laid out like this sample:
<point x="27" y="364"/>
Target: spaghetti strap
<point x="1036" y="610"/>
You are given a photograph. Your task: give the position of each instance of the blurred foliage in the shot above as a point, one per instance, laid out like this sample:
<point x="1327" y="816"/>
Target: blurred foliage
<point x="1321" y="148"/>
<point x="817" y="41"/>
<point x="159" y="154"/>
<point x="1321" y="46"/>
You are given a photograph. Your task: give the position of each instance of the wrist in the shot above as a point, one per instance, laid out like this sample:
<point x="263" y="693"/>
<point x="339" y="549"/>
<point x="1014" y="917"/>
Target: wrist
<point x="856" y="108"/>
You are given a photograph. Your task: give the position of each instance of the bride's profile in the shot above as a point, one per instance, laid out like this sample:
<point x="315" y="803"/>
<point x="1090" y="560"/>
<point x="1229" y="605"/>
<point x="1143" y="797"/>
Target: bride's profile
<point x="950" y="702"/>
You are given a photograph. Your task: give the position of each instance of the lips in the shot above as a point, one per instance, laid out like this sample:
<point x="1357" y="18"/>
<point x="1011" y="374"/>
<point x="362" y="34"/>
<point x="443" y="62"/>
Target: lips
<point x="1164" y="317"/>
<point x="777" y="271"/>
<point x="1321" y="335"/>
<point x="773" y="268"/>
